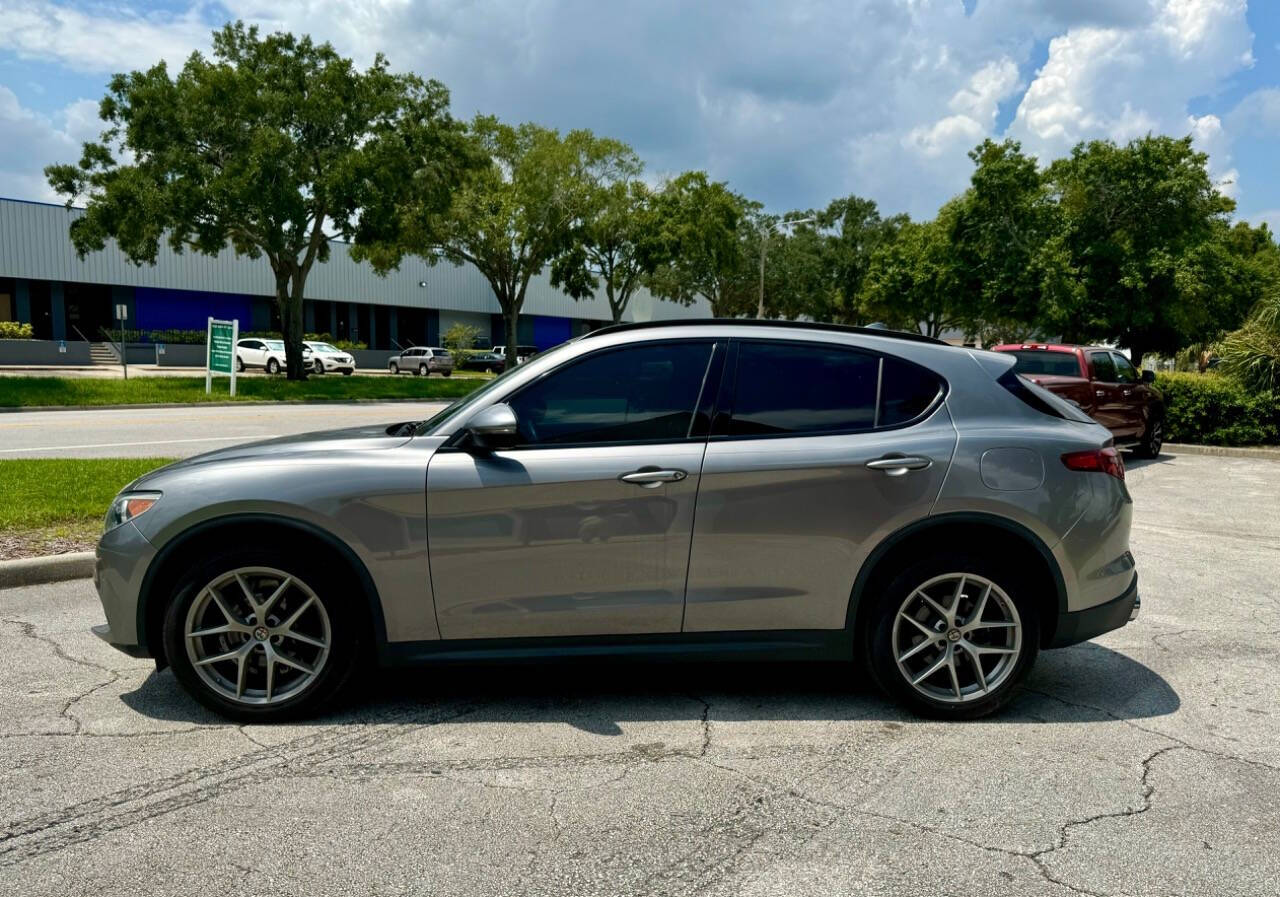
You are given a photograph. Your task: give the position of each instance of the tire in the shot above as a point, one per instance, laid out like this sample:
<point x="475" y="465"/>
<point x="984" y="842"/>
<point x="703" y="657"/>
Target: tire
<point x="448" y="373"/>
<point x="423" y="371"/>
<point x="1152" y="440"/>
<point x="318" y="367"/>
<point x="395" y="368"/>
<point x="1006" y="646"/>
<point x="317" y="597"/>
<point x="239" y="365"/>
<point x="347" y="372"/>
<point x="273" y="366"/>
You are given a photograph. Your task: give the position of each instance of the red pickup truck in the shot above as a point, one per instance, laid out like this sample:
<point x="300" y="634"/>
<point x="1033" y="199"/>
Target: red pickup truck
<point x="1104" y="384"/>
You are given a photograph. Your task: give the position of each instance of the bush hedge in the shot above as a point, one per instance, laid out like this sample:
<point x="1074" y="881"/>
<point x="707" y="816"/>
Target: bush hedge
<point x="15" y="330"/>
<point x="1211" y="409"/>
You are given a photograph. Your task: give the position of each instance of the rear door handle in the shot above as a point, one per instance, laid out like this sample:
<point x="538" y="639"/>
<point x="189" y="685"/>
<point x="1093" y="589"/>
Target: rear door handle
<point x="1099" y="392"/>
<point x="652" y="477"/>
<point x="896" y="467"/>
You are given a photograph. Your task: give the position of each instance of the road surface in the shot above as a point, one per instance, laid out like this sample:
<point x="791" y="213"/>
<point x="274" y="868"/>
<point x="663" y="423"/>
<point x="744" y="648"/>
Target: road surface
<point x="181" y="432"/>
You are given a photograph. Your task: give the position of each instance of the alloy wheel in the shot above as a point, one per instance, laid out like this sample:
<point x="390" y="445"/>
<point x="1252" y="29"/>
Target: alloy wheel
<point x="257" y="635"/>
<point x="957" y="637"/>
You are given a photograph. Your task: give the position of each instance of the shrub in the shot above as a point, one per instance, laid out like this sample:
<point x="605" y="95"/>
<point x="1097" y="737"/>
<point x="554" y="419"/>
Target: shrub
<point x="15" y="330"/>
<point x="1211" y="409"/>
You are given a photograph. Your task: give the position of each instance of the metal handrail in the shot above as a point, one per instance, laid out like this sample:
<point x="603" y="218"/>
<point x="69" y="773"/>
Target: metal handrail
<point x="83" y="338"/>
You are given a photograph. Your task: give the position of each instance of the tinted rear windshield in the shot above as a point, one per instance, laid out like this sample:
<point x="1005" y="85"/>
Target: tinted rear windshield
<point x="1040" y="361"/>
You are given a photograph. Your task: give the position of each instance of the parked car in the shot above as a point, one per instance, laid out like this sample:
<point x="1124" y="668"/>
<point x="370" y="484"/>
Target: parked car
<point x="267" y="354"/>
<point x="523" y="353"/>
<point x="325" y="358"/>
<point x="422" y="360"/>
<point x="489" y="362"/>
<point x="646" y="490"/>
<point x="1104" y="384"/>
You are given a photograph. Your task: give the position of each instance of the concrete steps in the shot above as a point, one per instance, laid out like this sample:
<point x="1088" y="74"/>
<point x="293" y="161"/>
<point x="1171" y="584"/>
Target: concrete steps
<point x="103" y="353"/>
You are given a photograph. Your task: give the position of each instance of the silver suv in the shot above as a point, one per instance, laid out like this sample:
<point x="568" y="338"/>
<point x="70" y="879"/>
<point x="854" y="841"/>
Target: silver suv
<point x="709" y="488"/>
<point x="422" y="360"/>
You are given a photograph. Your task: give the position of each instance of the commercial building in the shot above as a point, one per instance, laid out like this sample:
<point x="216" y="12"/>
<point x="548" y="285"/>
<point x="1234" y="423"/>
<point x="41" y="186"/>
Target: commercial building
<point x="43" y="282"/>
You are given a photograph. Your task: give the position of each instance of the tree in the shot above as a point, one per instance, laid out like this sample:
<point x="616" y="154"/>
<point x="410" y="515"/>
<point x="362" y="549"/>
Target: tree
<point x="616" y="241"/>
<point x="912" y="282"/>
<point x="853" y="231"/>
<point x="273" y="146"/>
<point x="1144" y="229"/>
<point x="1006" y="230"/>
<point x="703" y="234"/>
<point x="511" y="217"/>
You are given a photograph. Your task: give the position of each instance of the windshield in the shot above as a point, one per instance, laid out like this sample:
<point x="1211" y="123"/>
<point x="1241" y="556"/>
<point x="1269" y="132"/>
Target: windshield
<point x="323" y="347"/>
<point x="1053" y="364"/>
<point x="274" y="344"/>
<point x="433" y="424"/>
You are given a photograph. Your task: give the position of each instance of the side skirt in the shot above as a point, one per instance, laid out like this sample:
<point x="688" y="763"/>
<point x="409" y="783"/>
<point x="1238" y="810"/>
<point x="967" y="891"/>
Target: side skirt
<point x="790" y="645"/>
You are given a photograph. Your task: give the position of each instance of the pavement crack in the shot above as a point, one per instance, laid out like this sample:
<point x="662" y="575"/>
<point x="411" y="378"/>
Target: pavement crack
<point x="28" y="630"/>
<point x="705" y="721"/>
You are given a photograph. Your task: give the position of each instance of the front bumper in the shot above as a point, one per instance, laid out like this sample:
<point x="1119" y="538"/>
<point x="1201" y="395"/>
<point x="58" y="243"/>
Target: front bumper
<point x="123" y="557"/>
<point x="1082" y="625"/>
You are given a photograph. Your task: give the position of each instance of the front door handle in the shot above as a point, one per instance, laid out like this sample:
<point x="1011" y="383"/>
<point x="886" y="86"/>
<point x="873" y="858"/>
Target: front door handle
<point x="652" y="477"/>
<point x="896" y="467"/>
<point x="1099" y="392"/>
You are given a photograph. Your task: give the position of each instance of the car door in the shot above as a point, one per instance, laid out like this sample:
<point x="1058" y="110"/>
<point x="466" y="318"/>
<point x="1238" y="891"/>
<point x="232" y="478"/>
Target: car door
<point x="1109" y="409"/>
<point x="583" y="526"/>
<point x="253" y="353"/>
<point x="800" y="480"/>
<point x="1133" y="397"/>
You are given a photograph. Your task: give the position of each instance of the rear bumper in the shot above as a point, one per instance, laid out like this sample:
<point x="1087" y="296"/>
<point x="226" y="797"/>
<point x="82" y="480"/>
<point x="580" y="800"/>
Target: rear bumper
<point x="1082" y="625"/>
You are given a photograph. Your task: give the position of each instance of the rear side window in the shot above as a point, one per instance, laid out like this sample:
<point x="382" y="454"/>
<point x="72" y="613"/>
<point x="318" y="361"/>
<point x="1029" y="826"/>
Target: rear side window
<point x="1052" y="364"/>
<point x="1041" y="399"/>
<point x="1104" y="368"/>
<point x="802" y="388"/>
<point x="906" y="392"/>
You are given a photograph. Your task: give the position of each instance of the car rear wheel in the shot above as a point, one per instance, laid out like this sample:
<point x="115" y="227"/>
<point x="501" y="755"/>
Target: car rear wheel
<point x="273" y="366"/>
<point x="260" y="636"/>
<point x="1152" y="439"/>
<point x="953" y="635"/>
<point x="239" y="365"/>
<point x="446" y="373"/>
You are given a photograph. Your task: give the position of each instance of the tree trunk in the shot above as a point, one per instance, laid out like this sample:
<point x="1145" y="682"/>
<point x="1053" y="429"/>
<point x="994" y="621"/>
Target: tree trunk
<point x="615" y="308"/>
<point x="511" y="316"/>
<point x="289" y="301"/>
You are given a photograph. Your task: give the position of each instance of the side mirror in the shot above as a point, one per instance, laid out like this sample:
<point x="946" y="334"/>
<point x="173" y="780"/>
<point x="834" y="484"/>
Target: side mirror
<point x="1148" y="376"/>
<point x="492" y="427"/>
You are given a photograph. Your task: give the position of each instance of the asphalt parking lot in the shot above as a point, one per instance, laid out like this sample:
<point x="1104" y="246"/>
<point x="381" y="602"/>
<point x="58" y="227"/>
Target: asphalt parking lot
<point x="1147" y="762"/>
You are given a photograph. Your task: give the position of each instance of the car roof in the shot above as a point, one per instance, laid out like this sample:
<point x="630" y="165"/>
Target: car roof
<point x="1051" y="347"/>
<point x="871" y="330"/>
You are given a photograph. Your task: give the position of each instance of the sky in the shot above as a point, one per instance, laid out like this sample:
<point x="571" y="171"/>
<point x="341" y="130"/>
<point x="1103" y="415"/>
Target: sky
<point x="793" y="102"/>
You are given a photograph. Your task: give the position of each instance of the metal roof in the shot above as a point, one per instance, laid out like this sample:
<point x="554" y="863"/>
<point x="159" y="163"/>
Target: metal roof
<point x="34" y="244"/>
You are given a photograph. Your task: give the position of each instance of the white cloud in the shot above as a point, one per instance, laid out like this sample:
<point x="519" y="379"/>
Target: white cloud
<point x="109" y="39"/>
<point x="793" y="103"/>
<point x="33" y="141"/>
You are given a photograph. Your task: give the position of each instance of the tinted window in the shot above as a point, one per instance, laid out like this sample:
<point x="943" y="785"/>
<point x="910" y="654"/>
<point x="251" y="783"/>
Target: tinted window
<point x="640" y="393"/>
<point x="1054" y="364"/>
<point x="793" y="388"/>
<point x="1125" y="372"/>
<point x="1104" y="368"/>
<point x="906" y="392"/>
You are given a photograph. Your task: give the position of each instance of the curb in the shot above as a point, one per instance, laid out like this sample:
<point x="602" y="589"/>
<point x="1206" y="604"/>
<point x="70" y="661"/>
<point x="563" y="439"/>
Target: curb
<point x="1224" y="451"/>
<point x="50" y="568"/>
<point x="250" y="403"/>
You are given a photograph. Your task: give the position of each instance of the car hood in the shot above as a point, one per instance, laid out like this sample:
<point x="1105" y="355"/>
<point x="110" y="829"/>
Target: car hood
<point x="352" y="439"/>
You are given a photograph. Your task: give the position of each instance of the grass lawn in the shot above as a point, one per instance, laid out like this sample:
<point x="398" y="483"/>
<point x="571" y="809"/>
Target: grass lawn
<point x="47" y="391"/>
<point x="51" y="505"/>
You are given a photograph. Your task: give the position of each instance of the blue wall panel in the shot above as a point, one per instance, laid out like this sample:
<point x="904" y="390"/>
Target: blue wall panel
<point x="160" y="309"/>
<point x="548" y="331"/>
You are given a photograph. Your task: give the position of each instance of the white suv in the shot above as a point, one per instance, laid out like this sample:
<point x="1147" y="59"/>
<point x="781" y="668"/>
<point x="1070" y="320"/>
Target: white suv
<point x="324" y="358"/>
<point x="267" y="354"/>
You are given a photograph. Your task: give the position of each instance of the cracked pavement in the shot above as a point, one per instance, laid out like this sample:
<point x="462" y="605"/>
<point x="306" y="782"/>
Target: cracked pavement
<point x="1144" y="763"/>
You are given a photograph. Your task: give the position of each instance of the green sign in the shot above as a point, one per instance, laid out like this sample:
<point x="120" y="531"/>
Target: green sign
<point x="221" y="338"/>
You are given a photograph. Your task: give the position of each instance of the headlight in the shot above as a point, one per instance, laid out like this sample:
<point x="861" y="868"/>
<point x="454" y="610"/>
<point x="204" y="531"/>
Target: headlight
<point x="127" y="506"/>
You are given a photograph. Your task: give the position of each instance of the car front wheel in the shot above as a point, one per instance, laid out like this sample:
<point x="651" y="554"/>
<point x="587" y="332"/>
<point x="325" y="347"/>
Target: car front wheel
<point x="1152" y="439"/>
<point x="259" y="636"/>
<point x="395" y="368"/>
<point x="953" y="635"/>
<point x="318" y="367"/>
<point x="423" y="370"/>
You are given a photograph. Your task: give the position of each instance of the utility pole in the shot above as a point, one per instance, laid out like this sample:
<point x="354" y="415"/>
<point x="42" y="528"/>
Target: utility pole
<point x="765" y="233"/>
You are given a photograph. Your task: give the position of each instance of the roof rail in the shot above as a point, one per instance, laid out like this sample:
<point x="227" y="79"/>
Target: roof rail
<point x="872" y="330"/>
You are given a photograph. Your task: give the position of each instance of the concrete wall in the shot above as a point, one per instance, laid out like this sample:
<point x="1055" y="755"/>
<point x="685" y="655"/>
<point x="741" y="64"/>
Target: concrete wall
<point x="180" y="355"/>
<point x="41" y="351"/>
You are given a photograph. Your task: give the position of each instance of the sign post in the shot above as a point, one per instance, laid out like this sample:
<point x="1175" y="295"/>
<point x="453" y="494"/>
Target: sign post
<point x="220" y="352"/>
<point x="122" y="314"/>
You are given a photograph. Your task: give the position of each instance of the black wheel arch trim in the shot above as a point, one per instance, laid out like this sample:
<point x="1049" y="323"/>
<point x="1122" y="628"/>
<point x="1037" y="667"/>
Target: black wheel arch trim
<point x="934" y="521"/>
<point x="356" y="565"/>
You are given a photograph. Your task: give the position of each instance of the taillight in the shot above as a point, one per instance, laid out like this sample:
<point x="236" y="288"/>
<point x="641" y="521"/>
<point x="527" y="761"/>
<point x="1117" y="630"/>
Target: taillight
<point x="1103" y="460"/>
